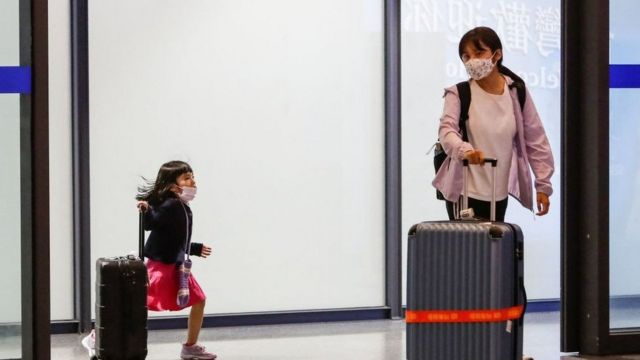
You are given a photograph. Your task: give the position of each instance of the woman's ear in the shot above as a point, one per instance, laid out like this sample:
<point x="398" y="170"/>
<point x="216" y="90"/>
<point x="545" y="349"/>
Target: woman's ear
<point x="175" y="189"/>
<point x="498" y="55"/>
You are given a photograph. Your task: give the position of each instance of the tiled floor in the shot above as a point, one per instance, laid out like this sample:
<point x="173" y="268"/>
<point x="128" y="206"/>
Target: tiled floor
<point x="370" y="340"/>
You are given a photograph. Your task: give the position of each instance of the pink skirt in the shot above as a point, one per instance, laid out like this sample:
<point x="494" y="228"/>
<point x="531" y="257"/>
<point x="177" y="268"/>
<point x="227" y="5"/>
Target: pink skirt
<point x="163" y="287"/>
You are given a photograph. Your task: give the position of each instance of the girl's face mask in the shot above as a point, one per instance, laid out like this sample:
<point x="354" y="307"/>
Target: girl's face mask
<point x="188" y="193"/>
<point x="479" y="68"/>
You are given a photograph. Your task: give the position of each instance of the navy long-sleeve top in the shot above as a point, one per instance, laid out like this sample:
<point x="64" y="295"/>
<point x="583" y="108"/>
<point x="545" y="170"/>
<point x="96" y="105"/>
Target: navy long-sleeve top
<point x="169" y="236"/>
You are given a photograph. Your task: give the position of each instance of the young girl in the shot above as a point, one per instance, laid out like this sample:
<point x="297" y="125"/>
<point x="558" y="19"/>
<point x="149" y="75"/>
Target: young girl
<point x="165" y="203"/>
<point x="497" y="127"/>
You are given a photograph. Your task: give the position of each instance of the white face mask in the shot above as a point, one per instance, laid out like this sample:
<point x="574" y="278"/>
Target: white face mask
<point x="188" y="193"/>
<point x="479" y="68"/>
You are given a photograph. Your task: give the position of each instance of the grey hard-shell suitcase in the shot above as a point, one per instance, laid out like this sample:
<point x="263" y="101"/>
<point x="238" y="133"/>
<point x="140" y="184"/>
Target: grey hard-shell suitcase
<point x="121" y="306"/>
<point x="465" y="291"/>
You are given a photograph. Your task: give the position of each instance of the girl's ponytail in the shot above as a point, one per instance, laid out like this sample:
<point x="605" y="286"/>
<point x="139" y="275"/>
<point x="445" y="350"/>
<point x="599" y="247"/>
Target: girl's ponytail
<point x="506" y="71"/>
<point x="145" y="191"/>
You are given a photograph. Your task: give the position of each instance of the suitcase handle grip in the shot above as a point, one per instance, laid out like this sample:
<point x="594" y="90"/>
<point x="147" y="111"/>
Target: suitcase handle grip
<point x="492" y="161"/>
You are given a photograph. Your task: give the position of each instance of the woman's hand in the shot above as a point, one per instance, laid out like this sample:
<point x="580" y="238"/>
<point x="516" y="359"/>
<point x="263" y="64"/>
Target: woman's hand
<point x="143" y="206"/>
<point x="543" y="204"/>
<point x="206" y="251"/>
<point x="474" y="157"/>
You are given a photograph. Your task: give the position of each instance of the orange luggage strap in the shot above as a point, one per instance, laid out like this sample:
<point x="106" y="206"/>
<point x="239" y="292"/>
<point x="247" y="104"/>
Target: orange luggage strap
<point x="463" y="316"/>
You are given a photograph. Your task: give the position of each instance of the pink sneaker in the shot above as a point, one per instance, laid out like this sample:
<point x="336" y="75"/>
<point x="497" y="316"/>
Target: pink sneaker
<point x="89" y="343"/>
<point x="196" y="351"/>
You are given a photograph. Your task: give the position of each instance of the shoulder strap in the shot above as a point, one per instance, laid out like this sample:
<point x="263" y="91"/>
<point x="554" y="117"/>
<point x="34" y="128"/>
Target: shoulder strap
<point x="464" y="92"/>
<point x="187" y="243"/>
<point x="522" y="92"/>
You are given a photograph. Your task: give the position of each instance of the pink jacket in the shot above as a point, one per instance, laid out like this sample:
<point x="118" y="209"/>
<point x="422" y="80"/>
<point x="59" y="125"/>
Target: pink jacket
<point x="530" y="149"/>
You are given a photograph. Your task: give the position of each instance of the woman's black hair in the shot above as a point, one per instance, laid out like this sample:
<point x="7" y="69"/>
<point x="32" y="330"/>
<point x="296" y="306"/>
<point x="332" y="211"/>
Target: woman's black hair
<point x="155" y="192"/>
<point x="481" y="38"/>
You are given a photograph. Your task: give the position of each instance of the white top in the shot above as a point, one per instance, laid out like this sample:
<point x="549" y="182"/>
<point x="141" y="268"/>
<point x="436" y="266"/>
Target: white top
<point x="491" y="128"/>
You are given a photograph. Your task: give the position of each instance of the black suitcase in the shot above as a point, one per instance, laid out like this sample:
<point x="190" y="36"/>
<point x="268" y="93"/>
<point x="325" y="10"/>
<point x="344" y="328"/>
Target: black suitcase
<point x="121" y="306"/>
<point x="465" y="290"/>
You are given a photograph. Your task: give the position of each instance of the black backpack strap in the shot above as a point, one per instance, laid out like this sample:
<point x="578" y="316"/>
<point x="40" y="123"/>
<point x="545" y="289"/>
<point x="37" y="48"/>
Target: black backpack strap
<point x="522" y="92"/>
<point x="464" y="93"/>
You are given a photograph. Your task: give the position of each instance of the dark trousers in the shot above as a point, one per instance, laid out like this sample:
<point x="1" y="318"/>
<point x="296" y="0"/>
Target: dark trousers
<point x="481" y="209"/>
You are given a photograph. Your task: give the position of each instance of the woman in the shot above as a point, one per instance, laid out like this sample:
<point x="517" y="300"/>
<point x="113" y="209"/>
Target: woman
<point x="497" y="127"/>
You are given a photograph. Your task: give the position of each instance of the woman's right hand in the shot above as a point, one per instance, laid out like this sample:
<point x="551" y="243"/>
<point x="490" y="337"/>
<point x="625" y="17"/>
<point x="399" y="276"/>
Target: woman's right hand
<point x="474" y="156"/>
<point x="143" y="206"/>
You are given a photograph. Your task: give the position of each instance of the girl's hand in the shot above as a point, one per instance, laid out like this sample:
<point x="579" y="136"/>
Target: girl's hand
<point x="474" y="157"/>
<point x="206" y="251"/>
<point x="143" y="206"/>
<point x="543" y="204"/>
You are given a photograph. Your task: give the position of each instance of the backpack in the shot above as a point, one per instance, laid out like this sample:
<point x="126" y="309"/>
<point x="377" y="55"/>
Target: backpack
<point x="464" y="92"/>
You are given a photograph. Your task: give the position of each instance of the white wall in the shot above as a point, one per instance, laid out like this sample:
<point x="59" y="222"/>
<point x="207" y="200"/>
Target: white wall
<point x="60" y="161"/>
<point x="10" y="306"/>
<point x="10" y="208"/>
<point x="278" y="106"/>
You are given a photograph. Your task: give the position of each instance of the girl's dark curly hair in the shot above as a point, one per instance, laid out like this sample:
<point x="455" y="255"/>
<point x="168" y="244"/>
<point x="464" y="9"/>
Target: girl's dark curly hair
<point x="155" y="192"/>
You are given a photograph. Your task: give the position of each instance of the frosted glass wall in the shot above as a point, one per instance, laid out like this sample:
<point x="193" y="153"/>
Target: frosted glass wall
<point x="279" y="108"/>
<point x="10" y="187"/>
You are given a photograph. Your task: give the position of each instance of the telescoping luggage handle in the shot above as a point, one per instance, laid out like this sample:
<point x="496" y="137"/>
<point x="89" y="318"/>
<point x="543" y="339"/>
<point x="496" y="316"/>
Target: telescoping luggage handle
<point x="465" y="186"/>
<point x="141" y="234"/>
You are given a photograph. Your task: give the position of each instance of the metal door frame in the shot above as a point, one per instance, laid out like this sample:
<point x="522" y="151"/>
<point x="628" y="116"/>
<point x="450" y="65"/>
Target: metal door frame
<point x="34" y="177"/>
